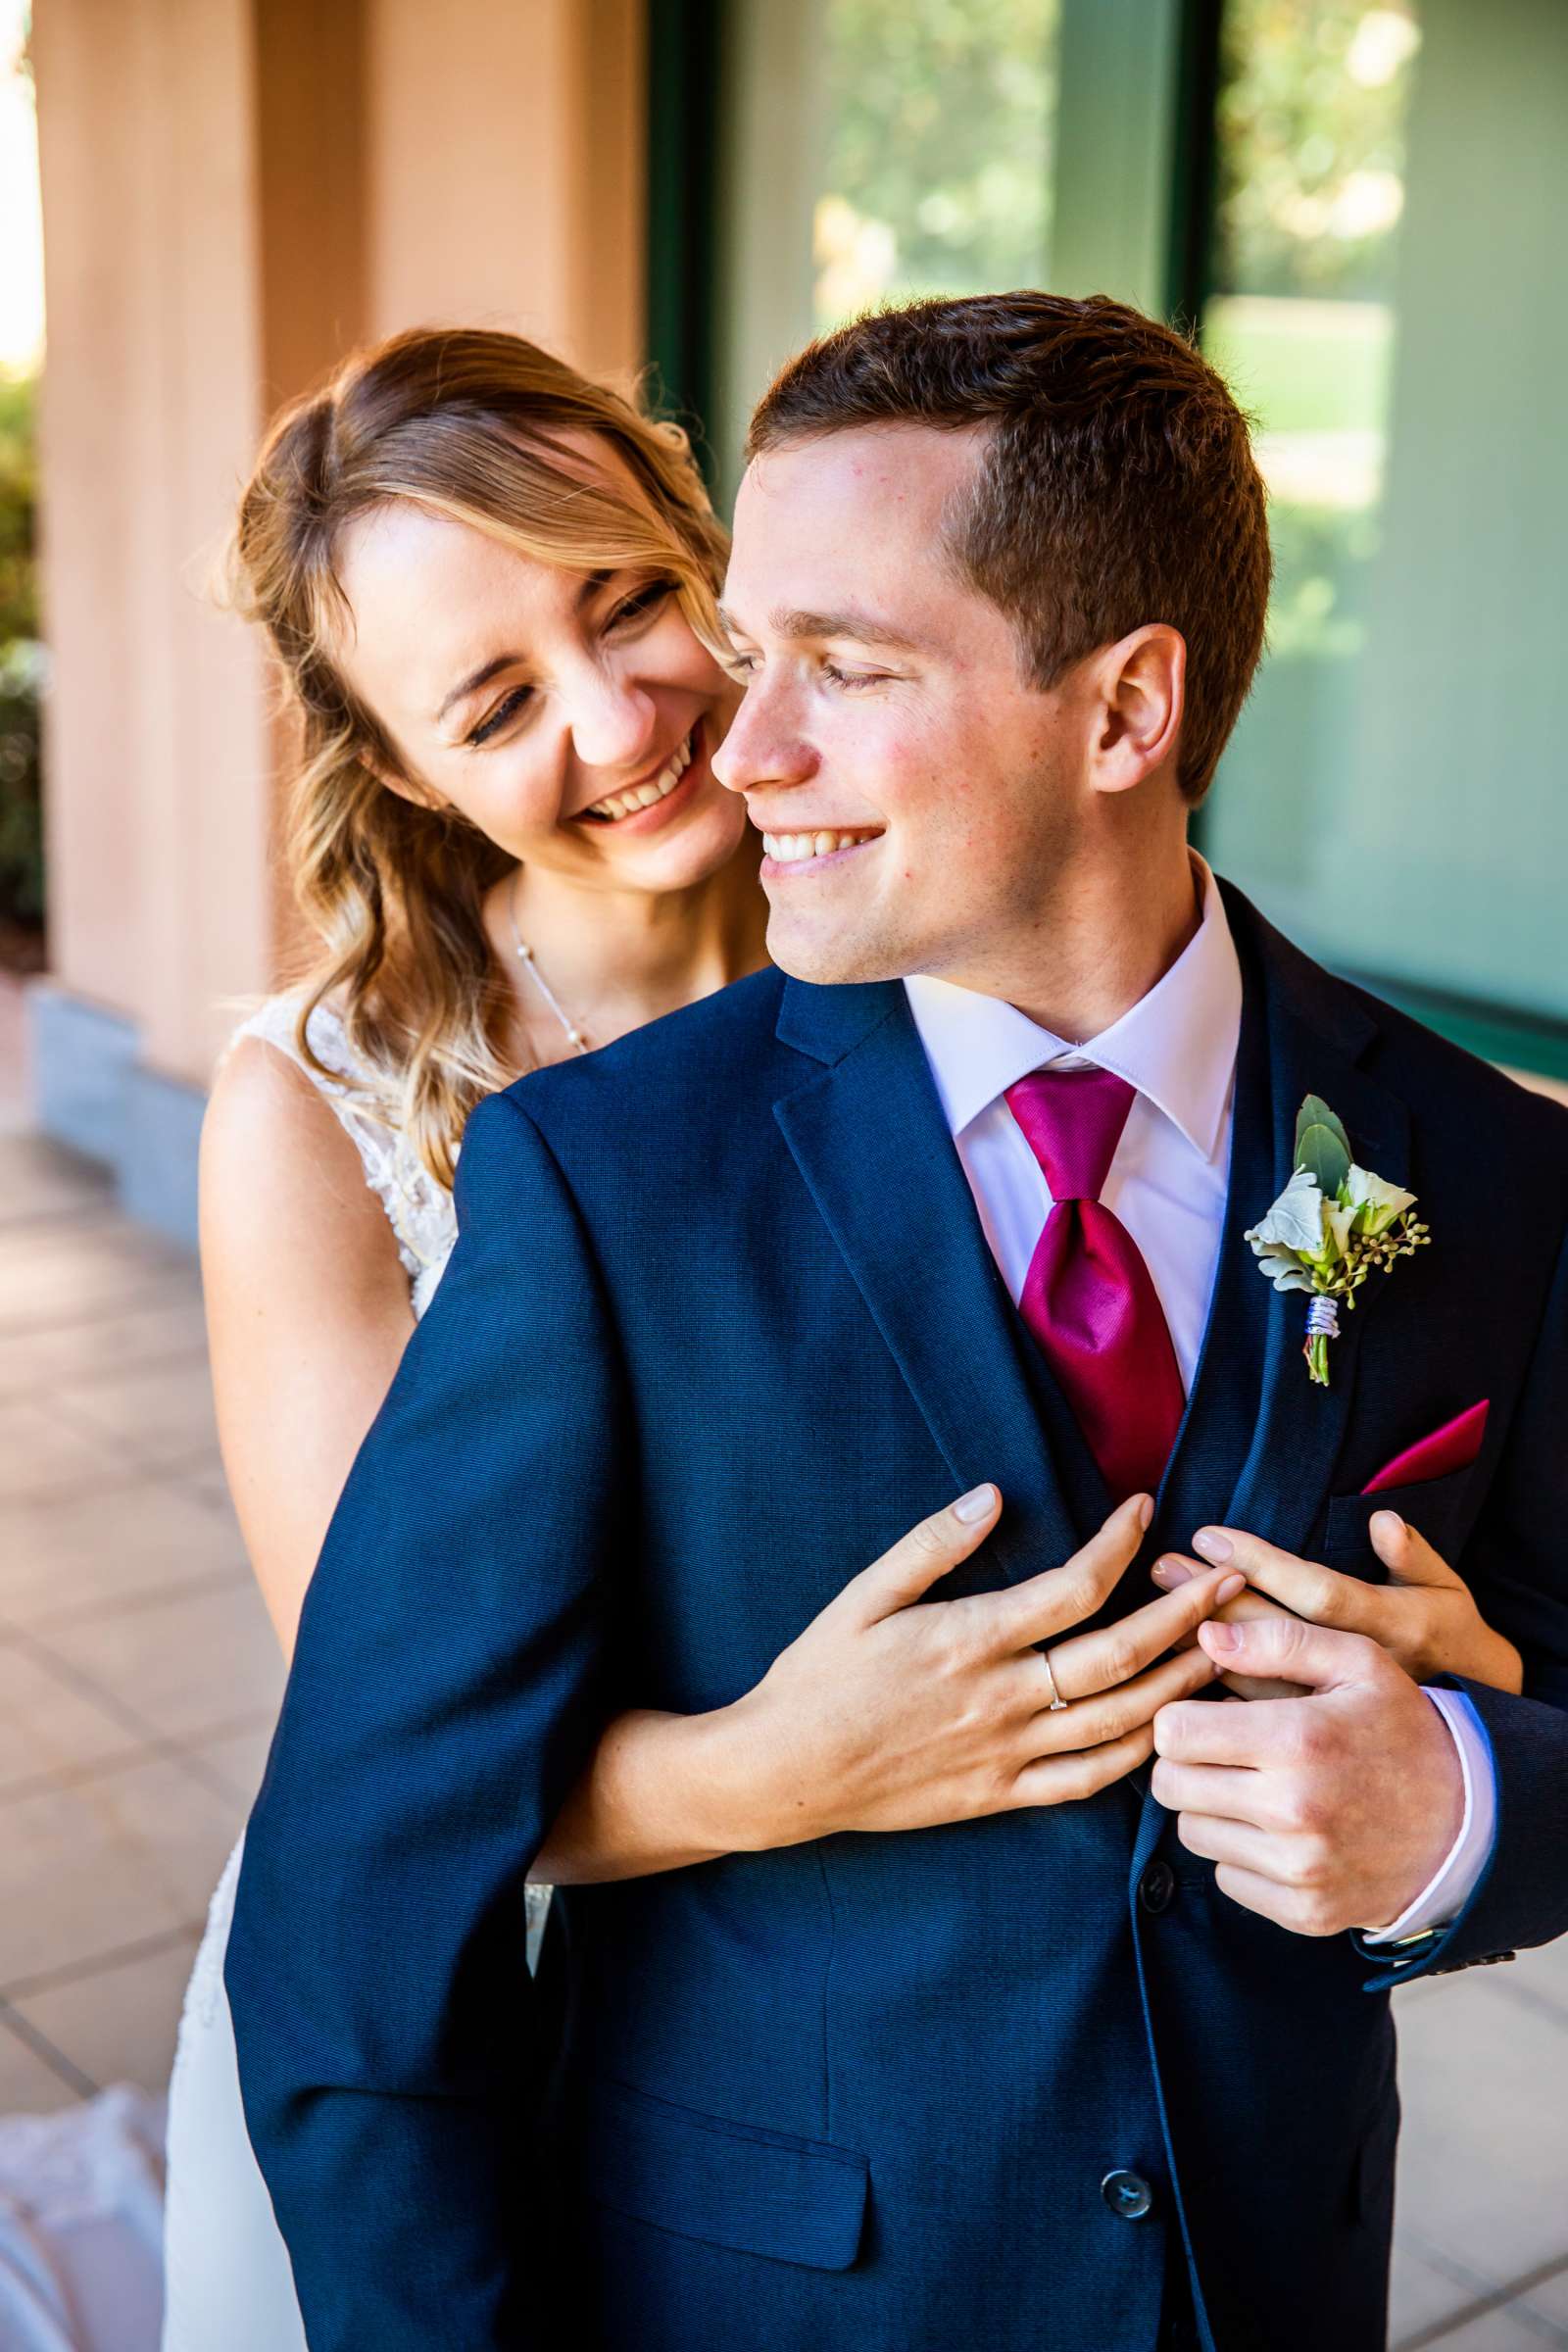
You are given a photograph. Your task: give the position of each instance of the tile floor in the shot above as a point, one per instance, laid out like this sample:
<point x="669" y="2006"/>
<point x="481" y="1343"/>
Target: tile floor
<point x="138" y="1679"/>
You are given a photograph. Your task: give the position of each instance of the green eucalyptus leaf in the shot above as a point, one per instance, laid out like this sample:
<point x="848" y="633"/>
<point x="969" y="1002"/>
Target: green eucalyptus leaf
<point x="1316" y="1112"/>
<point x="1323" y="1152"/>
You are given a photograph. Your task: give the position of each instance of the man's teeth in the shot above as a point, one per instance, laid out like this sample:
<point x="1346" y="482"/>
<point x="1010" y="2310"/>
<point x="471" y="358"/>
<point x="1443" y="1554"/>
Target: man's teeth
<point x="643" y="795"/>
<point x="789" y="849"/>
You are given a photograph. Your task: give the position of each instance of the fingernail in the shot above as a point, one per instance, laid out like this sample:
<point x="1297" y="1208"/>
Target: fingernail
<point x="1389" y="1524"/>
<point x="1212" y="1545"/>
<point x="974" y="1505"/>
<point x="1217" y="1636"/>
<point x="1170" y="1574"/>
<point x="1146" y="1510"/>
<point x="1228" y="1587"/>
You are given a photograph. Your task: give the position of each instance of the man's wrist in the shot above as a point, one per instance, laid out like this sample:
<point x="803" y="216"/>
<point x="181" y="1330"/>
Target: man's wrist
<point x="1471" y="1815"/>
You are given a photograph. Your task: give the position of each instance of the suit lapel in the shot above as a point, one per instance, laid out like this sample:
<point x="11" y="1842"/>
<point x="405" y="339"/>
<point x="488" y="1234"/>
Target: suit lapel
<point x="1318" y="1034"/>
<point x="867" y="1133"/>
<point x="1258" y="1444"/>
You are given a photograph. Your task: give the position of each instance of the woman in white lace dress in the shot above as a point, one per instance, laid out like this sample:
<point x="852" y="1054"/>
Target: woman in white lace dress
<point x="490" y="585"/>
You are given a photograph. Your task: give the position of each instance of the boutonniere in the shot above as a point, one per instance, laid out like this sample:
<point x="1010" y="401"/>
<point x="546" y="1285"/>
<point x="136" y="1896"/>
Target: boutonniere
<point x="1333" y="1225"/>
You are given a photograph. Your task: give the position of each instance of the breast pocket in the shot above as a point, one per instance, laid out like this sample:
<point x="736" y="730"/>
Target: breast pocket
<point x="1435" y="1507"/>
<point x="726" y="2183"/>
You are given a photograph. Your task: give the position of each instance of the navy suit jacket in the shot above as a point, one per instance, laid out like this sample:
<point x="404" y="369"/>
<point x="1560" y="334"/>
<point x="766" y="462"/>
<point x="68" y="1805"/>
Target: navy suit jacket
<point x="719" y="1325"/>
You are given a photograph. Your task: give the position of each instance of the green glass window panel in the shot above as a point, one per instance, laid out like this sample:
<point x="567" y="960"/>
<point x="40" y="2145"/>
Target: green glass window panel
<point x="935" y="176"/>
<point x="1310" y="198"/>
<point x="1391" y="300"/>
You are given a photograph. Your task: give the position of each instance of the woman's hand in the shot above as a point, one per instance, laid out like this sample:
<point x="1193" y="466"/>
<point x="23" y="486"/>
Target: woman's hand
<point x="894" y="1712"/>
<point x="1425" y="1616"/>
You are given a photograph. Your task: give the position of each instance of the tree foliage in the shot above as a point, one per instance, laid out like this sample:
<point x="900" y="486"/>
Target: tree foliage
<point x="938" y="118"/>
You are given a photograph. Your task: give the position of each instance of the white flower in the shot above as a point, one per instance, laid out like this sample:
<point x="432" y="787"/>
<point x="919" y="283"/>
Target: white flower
<point x="1376" y="1203"/>
<point x="1291" y="1230"/>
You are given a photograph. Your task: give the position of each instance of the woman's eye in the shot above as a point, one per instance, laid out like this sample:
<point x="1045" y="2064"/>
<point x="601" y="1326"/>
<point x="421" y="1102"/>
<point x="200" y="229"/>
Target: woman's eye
<point x="641" y="603"/>
<point x="507" y="709"/>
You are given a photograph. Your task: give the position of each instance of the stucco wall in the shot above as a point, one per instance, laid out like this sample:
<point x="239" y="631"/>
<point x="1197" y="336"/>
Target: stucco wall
<point x="235" y="191"/>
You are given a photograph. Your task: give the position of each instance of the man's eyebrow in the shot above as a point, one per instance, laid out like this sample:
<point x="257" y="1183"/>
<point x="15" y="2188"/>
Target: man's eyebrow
<point x="591" y="582"/>
<point x="790" y="622"/>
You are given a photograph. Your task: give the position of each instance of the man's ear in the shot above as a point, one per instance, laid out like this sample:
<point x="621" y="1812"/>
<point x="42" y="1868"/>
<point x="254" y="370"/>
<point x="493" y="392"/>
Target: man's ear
<point x="1142" y="691"/>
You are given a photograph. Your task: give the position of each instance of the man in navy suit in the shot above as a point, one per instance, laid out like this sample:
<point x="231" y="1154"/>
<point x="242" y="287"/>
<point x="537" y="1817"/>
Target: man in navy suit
<point x="959" y="1193"/>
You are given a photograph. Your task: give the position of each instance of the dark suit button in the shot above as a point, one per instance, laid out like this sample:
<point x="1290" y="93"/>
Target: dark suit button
<point x="1127" y="2194"/>
<point x="1156" y="1889"/>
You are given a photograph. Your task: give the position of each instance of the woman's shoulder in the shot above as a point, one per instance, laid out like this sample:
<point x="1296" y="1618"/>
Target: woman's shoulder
<point x="309" y="1132"/>
<point x="275" y="1142"/>
<point x="331" y="1065"/>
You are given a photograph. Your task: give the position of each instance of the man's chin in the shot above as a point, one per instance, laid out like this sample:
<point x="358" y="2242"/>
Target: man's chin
<point x="829" y="959"/>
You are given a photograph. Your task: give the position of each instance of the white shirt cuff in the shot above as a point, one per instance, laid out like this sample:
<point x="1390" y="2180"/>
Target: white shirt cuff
<point x="1442" y="1900"/>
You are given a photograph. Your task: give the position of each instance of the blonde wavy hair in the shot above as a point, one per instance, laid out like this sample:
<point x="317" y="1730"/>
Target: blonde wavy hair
<point x="469" y="424"/>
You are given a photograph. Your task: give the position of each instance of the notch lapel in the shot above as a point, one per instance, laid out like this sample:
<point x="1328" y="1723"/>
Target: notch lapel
<point x="1319" y="1032"/>
<point x="867" y="1133"/>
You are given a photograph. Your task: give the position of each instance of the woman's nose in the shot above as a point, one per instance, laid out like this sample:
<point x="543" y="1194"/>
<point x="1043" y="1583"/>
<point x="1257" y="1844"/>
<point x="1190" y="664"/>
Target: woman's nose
<point x="614" y="723"/>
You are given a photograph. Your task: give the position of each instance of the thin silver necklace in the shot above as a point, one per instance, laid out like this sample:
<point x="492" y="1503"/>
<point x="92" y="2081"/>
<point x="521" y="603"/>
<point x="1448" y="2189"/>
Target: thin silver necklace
<point x="525" y="956"/>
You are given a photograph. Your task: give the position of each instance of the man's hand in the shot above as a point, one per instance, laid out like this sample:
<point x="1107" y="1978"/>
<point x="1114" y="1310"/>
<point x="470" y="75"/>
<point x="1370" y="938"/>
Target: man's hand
<point x="1323" y="1812"/>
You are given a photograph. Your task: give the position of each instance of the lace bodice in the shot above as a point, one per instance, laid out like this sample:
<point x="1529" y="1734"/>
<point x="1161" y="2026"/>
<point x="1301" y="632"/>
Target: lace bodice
<point x="418" y="1209"/>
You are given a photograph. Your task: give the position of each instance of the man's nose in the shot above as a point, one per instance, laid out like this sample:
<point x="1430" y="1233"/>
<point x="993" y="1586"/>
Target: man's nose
<point x="762" y="747"/>
<point x="614" y="722"/>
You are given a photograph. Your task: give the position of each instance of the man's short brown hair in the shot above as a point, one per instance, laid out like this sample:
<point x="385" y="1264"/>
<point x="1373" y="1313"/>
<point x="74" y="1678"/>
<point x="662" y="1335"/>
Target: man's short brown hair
<point x="1118" y="485"/>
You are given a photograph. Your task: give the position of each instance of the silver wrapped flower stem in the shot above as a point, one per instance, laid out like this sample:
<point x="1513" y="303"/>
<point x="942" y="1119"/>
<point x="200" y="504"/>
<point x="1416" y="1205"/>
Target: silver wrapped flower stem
<point x="1322" y="1325"/>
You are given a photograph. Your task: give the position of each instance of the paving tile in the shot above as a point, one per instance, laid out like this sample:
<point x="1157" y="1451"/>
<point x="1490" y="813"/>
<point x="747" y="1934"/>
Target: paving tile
<point x="28" y="2085"/>
<point x="1420" y="2296"/>
<point x="88" y="1869"/>
<point x="91" y="1550"/>
<point x="237" y="1759"/>
<point x="1550" y="2298"/>
<point x="195" y="1663"/>
<point x="43" y="1457"/>
<point x="161" y="1330"/>
<point x="83" y="1270"/>
<point x="1506" y="2329"/>
<point x="118" y="2024"/>
<point x="1540" y="1977"/>
<point x="48" y="1727"/>
<point x="1484" y="2153"/>
<point x="162" y="1413"/>
<point x="39" y="1178"/>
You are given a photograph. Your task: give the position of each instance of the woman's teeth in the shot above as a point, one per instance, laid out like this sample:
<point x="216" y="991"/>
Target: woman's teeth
<point x="789" y="849"/>
<point x="643" y="795"/>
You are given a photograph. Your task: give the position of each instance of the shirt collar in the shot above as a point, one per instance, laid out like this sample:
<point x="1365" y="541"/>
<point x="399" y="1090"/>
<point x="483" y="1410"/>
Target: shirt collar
<point x="1177" y="1045"/>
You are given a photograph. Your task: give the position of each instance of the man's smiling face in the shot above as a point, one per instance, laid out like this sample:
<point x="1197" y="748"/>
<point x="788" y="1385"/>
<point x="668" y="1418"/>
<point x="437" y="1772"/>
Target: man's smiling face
<point x="917" y="795"/>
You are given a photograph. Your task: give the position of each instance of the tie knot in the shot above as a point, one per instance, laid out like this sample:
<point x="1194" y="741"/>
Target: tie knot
<point x="1073" y="1122"/>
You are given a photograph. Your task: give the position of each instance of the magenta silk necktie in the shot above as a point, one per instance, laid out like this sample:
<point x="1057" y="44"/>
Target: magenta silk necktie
<point x="1088" y="1296"/>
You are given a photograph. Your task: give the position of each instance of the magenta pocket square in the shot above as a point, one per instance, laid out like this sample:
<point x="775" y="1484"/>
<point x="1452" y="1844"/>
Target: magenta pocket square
<point x="1453" y="1447"/>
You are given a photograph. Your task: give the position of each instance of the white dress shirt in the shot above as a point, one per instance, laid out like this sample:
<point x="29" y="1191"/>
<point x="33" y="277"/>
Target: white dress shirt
<point x="1176" y="1048"/>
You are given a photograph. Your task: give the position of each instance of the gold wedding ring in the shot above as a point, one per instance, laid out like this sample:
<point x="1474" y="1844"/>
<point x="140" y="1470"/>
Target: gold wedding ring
<point x="1056" y="1702"/>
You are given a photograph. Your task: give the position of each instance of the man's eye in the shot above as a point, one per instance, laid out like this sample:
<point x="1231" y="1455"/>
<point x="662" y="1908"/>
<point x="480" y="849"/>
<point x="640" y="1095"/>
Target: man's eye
<point x="507" y="709"/>
<point x="738" y="665"/>
<point x="853" y="677"/>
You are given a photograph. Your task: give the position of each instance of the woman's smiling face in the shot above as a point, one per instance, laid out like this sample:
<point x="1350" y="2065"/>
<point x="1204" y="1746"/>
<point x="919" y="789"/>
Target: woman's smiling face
<point x="571" y="717"/>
